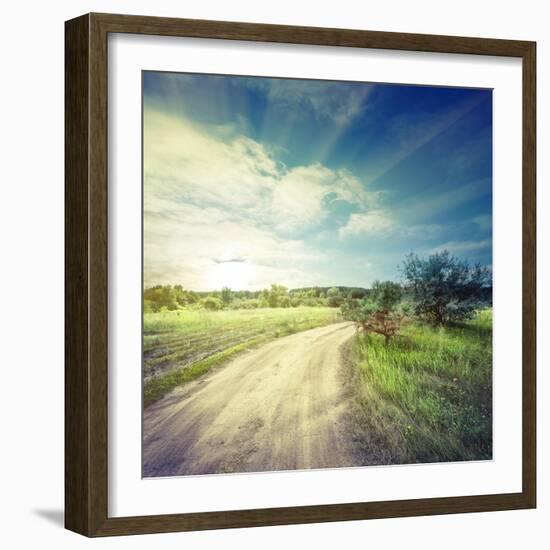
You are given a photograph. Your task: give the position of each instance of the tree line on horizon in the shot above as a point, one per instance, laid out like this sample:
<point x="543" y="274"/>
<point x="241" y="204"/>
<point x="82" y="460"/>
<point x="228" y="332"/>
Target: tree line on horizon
<point x="172" y="297"/>
<point x="440" y="289"/>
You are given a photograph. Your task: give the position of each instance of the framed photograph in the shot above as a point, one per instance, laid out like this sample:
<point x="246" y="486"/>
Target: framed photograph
<point x="300" y="275"/>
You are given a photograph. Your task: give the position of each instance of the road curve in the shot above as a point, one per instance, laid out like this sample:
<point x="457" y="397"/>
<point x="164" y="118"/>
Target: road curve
<point x="278" y="407"/>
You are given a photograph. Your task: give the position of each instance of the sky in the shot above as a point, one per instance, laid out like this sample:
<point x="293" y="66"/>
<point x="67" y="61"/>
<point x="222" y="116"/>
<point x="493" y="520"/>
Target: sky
<point x="250" y="181"/>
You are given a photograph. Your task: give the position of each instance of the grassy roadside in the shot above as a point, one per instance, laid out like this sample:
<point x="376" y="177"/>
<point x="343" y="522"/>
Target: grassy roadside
<point x="426" y="397"/>
<point x="179" y="346"/>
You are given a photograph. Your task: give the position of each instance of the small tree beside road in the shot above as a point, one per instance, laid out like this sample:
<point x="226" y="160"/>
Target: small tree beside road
<point x="380" y="312"/>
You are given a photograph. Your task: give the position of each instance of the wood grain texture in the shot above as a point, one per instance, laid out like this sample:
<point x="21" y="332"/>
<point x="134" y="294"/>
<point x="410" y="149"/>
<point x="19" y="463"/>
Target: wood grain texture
<point x="165" y="26"/>
<point x="86" y="253"/>
<point x="77" y="387"/>
<point x="529" y="276"/>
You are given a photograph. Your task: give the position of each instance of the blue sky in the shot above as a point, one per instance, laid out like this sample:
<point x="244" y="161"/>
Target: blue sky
<point x="252" y="181"/>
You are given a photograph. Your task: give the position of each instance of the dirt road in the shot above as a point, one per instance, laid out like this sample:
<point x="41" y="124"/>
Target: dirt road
<point x="278" y="407"/>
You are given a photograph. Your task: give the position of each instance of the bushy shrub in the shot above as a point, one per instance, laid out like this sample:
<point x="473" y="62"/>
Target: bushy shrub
<point x="445" y="289"/>
<point x="212" y="303"/>
<point x="161" y="297"/>
<point x="226" y="295"/>
<point x="334" y="297"/>
<point x="248" y="304"/>
<point x="381" y="312"/>
<point x="276" y="294"/>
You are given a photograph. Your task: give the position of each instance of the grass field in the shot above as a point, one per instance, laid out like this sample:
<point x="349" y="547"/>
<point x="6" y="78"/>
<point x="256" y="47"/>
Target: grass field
<point x="427" y="397"/>
<point x="179" y="346"/>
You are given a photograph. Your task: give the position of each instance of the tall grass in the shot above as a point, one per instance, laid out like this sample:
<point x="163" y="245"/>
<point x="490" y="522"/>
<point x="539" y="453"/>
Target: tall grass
<point x="179" y="346"/>
<point x="427" y="396"/>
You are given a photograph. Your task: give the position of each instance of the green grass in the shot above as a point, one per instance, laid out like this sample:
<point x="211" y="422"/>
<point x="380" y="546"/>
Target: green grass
<point x="179" y="346"/>
<point x="427" y="397"/>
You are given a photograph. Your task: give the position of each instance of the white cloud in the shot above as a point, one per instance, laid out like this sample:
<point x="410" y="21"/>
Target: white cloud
<point x="299" y="196"/>
<point x="206" y="193"/>
<point x="458" y="247"/>
<point x="380" y="222"/>
<point x="374" y="221"/>
<point x="184" y="163"/>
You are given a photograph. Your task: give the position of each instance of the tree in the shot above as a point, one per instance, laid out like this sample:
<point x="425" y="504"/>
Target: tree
<point x="192" y="297"/>
<point x="276" y="294"/>
<point x="444" y="288"/>
<point x="212" y="303"/>
<point x="180" y="295"/>
<point x="159" y="297"/>
<point x="226" y="295"/>
<point x="285" y="301"/>
<point x="380" y="312"/>
<point x="386" y="294"/>
<point x="334" y="297"/>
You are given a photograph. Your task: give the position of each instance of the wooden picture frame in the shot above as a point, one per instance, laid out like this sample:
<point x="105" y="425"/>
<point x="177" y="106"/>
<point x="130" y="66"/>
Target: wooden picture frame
<point x="86" y="282"/>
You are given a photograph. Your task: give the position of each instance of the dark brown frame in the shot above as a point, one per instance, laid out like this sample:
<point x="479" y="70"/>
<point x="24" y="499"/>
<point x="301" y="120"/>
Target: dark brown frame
<point x="86" y="284"/>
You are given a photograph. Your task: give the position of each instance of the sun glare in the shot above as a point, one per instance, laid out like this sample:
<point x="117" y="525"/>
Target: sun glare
<point x="232" y="274"/>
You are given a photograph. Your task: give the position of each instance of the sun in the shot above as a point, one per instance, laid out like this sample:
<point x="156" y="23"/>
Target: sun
<point x="237" y="275"/>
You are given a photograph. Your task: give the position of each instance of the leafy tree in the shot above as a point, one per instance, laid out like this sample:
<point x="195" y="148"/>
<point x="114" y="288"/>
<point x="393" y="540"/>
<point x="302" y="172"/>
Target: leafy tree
<point x="250" y="304"/>
<point x="159" y="297"/>
<point x="380" y="312"/>
<point x="334" y="297"/>
<point x="192" y="297"/>
<point x="284" y="301"/>
<point x="276" y="294"/>
<point x="213" y="303"/>
<point x="357" y="293"/>
<point x="180" y="295"/>
<point x="444" y="288"/>
<point x="226" y="295"/>
<point x="148" y="306"/>
<point x="386" y="294"/>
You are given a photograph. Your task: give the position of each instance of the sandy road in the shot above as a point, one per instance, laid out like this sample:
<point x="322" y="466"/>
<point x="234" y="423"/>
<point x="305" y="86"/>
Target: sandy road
<point x="278" y="407"/>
